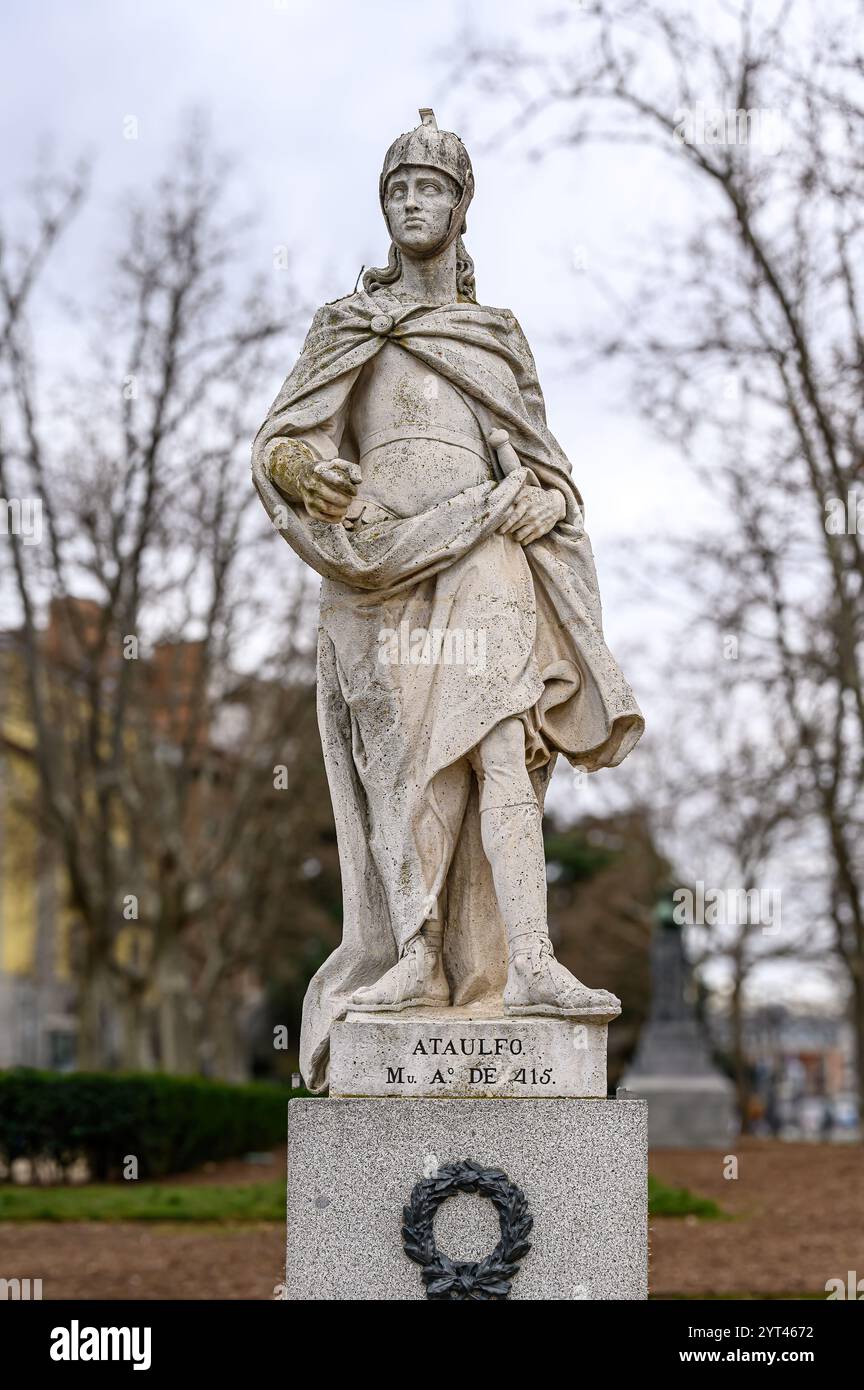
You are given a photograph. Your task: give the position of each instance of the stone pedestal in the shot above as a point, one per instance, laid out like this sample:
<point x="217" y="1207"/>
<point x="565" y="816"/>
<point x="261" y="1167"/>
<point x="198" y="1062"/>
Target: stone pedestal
<point x="353" y="1163"/>
<point x="686" y="1112"/>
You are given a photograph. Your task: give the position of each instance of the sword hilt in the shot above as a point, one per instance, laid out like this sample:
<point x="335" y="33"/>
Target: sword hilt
<point x="508" y="459"/>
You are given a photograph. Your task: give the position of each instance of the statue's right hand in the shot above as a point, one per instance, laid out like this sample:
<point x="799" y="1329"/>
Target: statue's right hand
<point x="328" y="488"/>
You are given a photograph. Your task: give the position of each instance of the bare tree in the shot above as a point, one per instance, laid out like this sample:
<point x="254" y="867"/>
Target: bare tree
<point x="166" y="776"/>
<point x="745" y="338"/>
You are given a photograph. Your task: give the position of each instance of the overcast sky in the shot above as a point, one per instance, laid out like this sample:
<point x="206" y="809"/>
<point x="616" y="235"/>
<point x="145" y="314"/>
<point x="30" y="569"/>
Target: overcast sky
<point x="308" y="94"/>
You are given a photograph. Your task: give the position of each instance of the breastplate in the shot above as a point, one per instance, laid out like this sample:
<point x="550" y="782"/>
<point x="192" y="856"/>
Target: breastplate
<point x="418" y="442"/>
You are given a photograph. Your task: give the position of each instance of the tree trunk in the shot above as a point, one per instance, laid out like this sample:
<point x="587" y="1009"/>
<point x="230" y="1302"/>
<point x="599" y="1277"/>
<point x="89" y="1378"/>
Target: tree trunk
<point x="95" y="999"/>
<point x="136" y="1045"/>
<point x="858" y="1029"/>
<point x="174" y="1021"/>
<point x="739" y="1058"/>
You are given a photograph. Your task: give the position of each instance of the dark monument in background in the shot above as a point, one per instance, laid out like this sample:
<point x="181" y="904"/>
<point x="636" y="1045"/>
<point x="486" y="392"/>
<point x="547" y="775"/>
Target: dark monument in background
<point x="691" y="1104"/>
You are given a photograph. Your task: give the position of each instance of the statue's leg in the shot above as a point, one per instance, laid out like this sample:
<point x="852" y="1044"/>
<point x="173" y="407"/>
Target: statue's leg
<point x="511" y="828"/>
<point x="418" y="979"/>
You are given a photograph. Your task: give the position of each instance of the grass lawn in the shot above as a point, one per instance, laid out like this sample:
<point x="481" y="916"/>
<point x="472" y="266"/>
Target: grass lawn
<point x="680" y="1201"/>
<point x="133" y="1201"/>
<point x="214" y="1202"/>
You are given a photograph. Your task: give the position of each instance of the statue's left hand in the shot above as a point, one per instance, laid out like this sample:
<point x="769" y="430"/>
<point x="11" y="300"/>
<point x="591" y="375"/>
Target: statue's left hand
<point x="534" y="511"/>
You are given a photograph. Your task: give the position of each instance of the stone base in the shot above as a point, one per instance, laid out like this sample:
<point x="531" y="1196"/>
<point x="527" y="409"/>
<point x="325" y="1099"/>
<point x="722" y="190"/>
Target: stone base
<point x="459" y="1052"/>
<point x="687" y="1112"/>
<point x="352" y="1165"/>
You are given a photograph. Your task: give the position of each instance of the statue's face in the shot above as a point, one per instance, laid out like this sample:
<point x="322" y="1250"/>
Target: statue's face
<point x="418" y="201"/>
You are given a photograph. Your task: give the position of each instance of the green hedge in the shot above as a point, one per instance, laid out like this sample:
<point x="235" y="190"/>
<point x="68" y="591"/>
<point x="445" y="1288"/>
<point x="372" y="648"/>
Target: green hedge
<point x="169" y="1123"/>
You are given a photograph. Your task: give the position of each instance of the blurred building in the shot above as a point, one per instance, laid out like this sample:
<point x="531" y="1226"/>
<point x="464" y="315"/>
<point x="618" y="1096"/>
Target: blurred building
<point x="37" y="1016"/>
<point x="802" y="1064"/>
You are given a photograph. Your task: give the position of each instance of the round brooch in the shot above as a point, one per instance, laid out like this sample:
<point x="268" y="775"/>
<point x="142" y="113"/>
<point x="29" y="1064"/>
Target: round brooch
<point x="382" y="323"/>
<point x="462" y="1280"/>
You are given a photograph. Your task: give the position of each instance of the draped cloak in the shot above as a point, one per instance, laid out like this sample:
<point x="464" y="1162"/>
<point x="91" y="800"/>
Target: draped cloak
<point x="392" y="735"/>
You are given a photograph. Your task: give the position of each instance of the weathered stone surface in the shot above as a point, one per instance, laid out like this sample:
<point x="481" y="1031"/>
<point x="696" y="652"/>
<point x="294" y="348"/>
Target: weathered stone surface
<point x="423" y="1052"/>
<point x="352" y="1164"/>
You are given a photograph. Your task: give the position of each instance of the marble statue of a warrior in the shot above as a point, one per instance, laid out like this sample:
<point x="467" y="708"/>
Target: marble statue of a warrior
<point x="407" y="459"/>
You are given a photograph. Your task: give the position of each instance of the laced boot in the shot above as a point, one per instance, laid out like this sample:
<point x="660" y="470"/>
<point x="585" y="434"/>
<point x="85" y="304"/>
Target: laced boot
<point x="416" y="979"/>
<point x="538" y="984"/>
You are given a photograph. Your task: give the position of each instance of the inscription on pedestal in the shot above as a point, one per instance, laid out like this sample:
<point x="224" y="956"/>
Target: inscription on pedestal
<point x="433" y="1055"/>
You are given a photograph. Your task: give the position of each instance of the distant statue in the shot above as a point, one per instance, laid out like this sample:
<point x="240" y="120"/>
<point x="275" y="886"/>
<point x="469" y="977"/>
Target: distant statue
<point x="407" y="459"/>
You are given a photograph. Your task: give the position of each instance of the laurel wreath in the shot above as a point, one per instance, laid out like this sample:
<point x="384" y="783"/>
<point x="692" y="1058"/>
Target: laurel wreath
<point x="461" y="1280"/>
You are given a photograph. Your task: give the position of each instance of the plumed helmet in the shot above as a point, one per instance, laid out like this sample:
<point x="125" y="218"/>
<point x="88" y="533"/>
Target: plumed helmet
<point x="437" y="149"/>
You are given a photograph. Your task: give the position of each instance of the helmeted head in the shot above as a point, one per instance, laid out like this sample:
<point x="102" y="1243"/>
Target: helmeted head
<point x="428" y="147"/>
<point x="425" y="187"/>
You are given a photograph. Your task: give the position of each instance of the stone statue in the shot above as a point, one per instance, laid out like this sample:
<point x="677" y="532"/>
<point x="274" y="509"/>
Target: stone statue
<point x="407" y="459"/>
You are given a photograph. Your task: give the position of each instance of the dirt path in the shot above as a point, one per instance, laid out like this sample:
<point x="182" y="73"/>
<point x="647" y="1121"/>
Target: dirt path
<point x="139" y="1260"/>
<point x="799" y="1212"/>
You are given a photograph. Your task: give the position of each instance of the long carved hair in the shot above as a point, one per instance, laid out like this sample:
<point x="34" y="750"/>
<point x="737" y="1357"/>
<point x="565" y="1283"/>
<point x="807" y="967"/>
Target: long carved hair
<point x="466" y="288"/>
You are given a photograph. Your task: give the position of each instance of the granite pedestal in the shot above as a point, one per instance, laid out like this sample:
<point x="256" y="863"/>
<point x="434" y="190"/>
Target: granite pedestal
<point x="353" y="1162"/>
